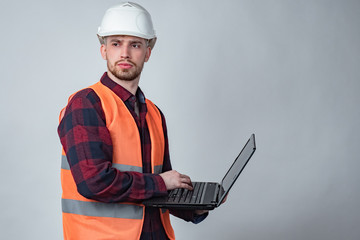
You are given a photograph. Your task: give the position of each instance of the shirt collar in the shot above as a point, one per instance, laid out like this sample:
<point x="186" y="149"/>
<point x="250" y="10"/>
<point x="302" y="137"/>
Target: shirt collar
<point x="120" y="91"/>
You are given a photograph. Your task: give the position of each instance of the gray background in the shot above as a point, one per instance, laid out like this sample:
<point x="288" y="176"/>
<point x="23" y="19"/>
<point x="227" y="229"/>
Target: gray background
<point x="287" y="71"/>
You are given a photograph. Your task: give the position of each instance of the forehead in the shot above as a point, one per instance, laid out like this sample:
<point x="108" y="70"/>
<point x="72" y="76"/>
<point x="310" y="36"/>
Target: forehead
<point x="125" y="38"/>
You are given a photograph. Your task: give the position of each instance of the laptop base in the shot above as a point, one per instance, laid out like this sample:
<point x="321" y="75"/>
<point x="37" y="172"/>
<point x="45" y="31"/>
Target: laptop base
<point x="185" y="199"/>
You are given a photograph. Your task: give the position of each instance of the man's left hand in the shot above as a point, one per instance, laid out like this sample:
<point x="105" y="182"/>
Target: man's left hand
<point x="201" y="212"/>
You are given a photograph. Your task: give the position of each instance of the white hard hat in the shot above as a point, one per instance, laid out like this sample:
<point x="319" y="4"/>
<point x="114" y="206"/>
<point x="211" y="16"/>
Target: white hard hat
<point x="127" y="18"/>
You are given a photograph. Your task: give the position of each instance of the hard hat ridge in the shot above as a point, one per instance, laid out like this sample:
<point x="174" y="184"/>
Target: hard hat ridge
<point x="127" y="18"/>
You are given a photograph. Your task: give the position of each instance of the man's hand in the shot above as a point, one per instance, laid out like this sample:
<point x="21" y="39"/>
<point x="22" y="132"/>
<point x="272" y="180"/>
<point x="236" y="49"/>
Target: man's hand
<point x="173" y="180"/>
<point x="201" y="212"/>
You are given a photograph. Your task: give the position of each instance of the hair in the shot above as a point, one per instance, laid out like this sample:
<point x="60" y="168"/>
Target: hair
<point x="104" y="38"/>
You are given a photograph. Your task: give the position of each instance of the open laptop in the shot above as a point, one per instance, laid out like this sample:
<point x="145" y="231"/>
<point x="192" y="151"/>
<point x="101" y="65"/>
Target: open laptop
<point x="206" y="195"/>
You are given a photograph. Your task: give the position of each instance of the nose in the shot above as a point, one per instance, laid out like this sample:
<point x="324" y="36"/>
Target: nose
<point x="125" y="53"/>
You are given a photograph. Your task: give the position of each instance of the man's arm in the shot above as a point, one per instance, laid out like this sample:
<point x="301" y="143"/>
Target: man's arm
<point x="88" y="147"/>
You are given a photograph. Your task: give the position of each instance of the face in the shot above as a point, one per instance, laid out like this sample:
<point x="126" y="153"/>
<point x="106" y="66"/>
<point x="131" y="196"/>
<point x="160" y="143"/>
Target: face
<point x="125" y="56"/>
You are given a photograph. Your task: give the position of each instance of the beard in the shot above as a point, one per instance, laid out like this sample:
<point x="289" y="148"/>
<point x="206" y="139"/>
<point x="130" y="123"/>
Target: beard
<point x="125" y="74"/>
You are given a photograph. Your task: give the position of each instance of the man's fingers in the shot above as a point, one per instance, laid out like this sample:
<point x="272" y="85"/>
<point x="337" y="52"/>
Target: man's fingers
<point x="186" y="186"/>
<point x="174" y="179"/>
<point x="185" y="182"/>
<point x="185" y="179"/>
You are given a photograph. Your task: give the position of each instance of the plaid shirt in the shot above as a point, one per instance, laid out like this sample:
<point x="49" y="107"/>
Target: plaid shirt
<point x="83" y="133"/>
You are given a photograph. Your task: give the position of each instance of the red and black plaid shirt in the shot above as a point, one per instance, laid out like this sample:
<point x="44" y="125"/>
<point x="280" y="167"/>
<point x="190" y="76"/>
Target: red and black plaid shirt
<point x="83" y="133"/>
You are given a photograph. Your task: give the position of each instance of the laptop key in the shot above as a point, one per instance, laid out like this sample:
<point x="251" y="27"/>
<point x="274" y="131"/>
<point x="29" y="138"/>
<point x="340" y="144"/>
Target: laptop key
<point x="189" y="196"/>
<point x="178" y="195"/>
<point x="183" y="195"/>
<point x="198" y="197"/>
<point x="172" y="195"/>
<point x="195" y="192"/>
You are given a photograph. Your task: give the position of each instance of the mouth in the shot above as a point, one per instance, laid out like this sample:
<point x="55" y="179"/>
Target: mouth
<point x="125" y="65"/>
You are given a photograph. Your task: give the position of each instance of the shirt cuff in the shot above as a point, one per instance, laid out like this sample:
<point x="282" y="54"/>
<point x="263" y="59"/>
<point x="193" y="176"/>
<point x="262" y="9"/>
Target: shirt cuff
<point x="199" y="218"/>
<point x="161" y="184"/>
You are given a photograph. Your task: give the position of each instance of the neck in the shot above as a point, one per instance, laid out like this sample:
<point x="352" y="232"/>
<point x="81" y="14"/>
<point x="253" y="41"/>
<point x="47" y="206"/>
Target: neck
<point x="131" y="86"/>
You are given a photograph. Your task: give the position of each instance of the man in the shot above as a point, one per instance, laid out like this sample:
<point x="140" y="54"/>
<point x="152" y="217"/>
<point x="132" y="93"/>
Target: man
<point x="115" y="148"/>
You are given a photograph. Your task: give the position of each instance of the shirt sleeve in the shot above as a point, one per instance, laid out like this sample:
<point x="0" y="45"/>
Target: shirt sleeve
<point x="88" y="147"/>
<point x="187" y="215"/>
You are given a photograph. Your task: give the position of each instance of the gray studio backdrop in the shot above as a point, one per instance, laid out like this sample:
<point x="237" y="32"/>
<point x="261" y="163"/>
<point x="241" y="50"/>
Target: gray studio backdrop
<point x="287" y="71"/>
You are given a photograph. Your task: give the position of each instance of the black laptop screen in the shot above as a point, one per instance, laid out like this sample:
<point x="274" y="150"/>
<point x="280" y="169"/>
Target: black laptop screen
<point x="238" y="165"/>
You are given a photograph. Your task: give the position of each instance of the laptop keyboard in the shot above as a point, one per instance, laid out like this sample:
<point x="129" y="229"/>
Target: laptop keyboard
<point x="181" y="195"/>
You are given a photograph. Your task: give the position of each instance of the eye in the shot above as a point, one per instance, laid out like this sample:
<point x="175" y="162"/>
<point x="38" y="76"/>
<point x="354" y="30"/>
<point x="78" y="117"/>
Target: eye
<point x="136" y="45"/>
<point x="115" y="44"/>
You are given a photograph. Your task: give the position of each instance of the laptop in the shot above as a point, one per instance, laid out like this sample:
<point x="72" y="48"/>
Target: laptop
<point x="206" y="195"/>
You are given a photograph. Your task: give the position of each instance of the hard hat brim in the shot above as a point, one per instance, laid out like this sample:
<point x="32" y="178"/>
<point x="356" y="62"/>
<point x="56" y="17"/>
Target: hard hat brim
<point x="151" y="41"/>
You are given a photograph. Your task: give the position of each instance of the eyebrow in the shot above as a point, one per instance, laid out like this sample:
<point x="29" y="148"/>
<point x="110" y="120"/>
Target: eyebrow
<point x="135" y="41"/>
<point x="131" y="41"/>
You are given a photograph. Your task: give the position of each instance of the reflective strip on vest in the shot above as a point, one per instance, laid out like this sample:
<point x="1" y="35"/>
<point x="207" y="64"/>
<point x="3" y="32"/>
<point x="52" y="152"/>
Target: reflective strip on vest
<point x="64" y="163"/>
<point x="124" y="168"/>
<point x="157" y="169"/>
<point x="99" y="209"/>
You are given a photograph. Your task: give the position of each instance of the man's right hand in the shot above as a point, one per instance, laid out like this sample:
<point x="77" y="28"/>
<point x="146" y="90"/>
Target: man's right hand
<point x="174" y="179"/>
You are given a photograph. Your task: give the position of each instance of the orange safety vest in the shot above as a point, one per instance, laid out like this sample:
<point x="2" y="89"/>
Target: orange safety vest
<point x="89" y="219"/>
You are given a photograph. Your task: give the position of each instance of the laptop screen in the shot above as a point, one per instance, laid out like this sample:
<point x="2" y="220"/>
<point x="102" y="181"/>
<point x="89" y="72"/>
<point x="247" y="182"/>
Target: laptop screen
<point x="237" y="167"/>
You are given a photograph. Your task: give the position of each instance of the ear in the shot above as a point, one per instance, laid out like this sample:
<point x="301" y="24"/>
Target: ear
<point x="103" y="51"/>
<point x="148" y="53"/>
